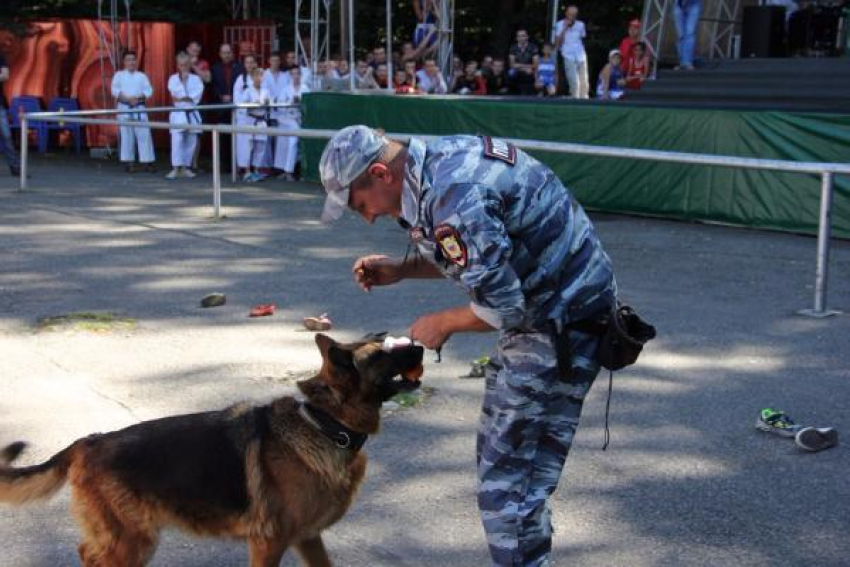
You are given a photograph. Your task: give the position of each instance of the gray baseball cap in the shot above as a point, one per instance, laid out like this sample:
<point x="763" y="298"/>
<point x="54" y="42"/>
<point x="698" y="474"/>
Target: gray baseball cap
<point x="348" y="154"/>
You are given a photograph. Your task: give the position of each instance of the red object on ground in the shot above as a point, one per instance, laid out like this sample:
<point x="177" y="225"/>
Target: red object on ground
<point x="262" y="310"/>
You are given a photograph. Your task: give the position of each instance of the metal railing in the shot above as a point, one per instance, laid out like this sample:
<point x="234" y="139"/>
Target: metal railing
<point x="827" y="171"/>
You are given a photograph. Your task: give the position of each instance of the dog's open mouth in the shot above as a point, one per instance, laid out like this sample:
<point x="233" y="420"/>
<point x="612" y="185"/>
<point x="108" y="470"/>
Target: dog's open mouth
<point x="409" y="365"/>
<point x="409" y="378"/>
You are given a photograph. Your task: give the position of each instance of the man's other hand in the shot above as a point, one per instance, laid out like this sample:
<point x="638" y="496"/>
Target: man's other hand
<point x="376" y="270"/>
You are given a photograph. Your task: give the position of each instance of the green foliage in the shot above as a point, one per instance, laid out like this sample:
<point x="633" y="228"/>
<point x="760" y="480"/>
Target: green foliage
<point x="481" y="27"/>
<point x="97" y="322"/>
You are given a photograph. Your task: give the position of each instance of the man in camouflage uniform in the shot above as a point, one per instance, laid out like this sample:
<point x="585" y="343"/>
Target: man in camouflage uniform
<point x="500" y="224"/>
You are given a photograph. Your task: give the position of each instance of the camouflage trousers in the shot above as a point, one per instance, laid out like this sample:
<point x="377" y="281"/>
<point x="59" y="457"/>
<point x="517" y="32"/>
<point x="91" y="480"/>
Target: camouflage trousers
<point x="528" y="421"/>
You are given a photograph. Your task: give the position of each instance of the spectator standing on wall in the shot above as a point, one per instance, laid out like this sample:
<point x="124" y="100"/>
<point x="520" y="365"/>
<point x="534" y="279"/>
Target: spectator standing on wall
<point x="546" y="81"/>
<point x="130" y="89"/>
<point x="429" y="78"/>
<point x="522" y="60"/>
<point x="497" y="84"/>
<point x="8" y="144"/>
<point x="186" y="90"/>
<point x="612" y="79"/>
<point x="425" y="32"/>
<point x="687" y="13"/>
<point x="567" y="37"/>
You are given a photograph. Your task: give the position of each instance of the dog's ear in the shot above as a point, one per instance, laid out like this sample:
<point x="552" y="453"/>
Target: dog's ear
<point x="340" y="358"/>
<point x="375" y="336"/>
<point x="324" y="343"/>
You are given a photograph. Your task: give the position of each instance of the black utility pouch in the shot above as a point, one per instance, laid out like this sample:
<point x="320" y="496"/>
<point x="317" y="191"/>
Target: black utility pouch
<point x="623" y="340"/>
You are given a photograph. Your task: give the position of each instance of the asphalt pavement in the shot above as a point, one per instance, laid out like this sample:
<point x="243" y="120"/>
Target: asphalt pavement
<point x="687" y="479"/>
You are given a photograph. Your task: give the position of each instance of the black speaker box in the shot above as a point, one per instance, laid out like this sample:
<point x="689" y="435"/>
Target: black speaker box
<point x="763" y="33"/>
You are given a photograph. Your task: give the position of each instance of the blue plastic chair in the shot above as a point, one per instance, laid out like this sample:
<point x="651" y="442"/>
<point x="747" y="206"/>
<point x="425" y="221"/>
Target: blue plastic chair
<point x="23" y="104"/>
<point x="60" y="104"/>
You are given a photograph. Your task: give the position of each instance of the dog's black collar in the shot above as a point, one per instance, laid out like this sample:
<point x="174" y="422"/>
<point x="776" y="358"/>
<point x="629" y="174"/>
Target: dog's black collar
<point x="343" y="437"/>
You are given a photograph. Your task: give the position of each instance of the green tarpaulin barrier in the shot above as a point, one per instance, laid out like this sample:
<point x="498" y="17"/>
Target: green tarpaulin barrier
<point x="760" y="199"/>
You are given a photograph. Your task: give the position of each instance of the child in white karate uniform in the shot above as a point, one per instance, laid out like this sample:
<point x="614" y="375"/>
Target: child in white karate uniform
<point x="257" y="94"/>
<point x="245" y="142"/>
<point x="186" y="90"/>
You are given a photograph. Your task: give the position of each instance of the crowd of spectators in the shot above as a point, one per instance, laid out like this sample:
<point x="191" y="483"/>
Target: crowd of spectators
<point x="529" y="68"/>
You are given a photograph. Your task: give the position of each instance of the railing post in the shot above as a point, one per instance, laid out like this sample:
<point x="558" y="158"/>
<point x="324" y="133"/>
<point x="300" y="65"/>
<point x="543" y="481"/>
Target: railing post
<point x="216" y="174"/>
<point x="24" y="151"/>
<point x="822" y="273"/>
<point x="233" y="167"/>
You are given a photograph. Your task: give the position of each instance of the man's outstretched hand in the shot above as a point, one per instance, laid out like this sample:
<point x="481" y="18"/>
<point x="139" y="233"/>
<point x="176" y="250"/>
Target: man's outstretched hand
<point x="375" y="270"/>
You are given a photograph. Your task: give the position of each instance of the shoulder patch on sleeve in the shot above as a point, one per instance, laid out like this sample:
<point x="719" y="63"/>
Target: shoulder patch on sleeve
<point x="499" y="149"/>
<point x="451" y="244"/>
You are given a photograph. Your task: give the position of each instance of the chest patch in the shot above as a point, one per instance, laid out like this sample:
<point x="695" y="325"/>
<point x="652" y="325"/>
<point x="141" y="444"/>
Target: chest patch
<point x="500" y="150"/>
<point x="451" y="244"/>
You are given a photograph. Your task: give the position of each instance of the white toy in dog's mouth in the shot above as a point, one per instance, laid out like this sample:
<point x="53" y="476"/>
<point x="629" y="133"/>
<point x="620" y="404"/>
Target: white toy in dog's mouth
<point x="394" y="343"/>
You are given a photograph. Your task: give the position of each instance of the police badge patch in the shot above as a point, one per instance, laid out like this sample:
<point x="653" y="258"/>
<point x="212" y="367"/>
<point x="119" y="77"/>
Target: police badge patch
<point x="499" y="149"/>
<point x="451" y="244"/>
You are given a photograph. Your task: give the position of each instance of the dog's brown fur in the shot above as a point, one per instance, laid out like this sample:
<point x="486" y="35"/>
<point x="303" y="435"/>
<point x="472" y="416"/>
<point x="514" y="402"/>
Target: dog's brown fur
<point x="262" y="474"/>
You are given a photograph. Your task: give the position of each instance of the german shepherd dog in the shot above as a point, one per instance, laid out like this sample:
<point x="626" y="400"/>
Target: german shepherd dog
<point x="274" y="475"/>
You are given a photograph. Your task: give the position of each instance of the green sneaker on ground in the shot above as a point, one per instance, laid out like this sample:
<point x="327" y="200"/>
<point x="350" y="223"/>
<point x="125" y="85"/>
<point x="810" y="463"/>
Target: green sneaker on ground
<point x="816" y="438"/>
<point x="477" y="367"/>
<point x="777" y="422"/>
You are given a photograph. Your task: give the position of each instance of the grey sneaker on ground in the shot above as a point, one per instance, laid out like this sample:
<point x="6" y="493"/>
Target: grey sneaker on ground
<point x="816" y="438"/>
<point x="776" y="422"/>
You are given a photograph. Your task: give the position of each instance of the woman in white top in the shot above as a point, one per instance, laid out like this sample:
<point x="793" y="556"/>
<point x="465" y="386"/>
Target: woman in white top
<point x="568" y="36"/>
<point x="186" y="90"/>
<point x="257" y="94"/>
<point x="286" y="150"/>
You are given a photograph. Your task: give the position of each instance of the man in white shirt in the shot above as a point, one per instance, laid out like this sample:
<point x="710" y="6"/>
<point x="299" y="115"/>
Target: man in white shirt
<point x="567" y="37"/>
<point x="430" y="80"/>
<point x="131" y="88"/>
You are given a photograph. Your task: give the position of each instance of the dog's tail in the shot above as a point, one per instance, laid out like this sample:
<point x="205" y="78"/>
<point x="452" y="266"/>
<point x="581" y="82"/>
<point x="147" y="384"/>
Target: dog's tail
<point x="38" y="482"/>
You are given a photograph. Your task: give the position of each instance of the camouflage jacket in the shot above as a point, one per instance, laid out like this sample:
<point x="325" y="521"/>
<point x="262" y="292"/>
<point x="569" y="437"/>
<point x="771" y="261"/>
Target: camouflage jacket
<point x="502" y="225"/>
